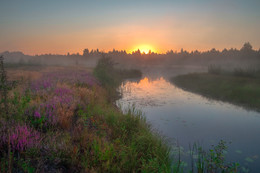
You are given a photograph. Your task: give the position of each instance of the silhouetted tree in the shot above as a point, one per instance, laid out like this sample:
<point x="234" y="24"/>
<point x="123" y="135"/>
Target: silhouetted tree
<point x="85" y="52"/>
<point x="247" y="47"/>
<point x="213" y="50"/>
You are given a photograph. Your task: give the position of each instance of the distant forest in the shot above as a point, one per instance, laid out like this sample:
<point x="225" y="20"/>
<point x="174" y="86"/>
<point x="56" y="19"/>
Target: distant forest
<point x="244" y="57"/>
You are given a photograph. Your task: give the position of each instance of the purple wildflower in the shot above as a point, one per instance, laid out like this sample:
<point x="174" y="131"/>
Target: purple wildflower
<point x="21" y="138"/>
<point x="37" y="114"/>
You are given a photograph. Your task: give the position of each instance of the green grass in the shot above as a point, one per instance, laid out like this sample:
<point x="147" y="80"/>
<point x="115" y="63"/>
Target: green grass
<point x="131" y="147"/>
<point x="90" y="133"/>
<point x="238" y="90"/>
<point x="94" y="135"/>
<point x="136" y="147"/>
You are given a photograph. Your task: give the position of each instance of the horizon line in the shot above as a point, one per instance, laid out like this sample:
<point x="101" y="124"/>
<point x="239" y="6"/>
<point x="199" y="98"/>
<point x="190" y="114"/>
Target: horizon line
<point x="131" y="52"/>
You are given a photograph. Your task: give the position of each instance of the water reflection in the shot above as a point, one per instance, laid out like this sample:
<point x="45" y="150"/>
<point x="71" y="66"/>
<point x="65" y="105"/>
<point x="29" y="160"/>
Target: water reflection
<point x="189" y="118"/>
<point x="145" y="92"/>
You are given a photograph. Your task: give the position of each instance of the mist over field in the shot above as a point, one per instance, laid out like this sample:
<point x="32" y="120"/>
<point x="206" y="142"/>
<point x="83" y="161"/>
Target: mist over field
<point x="244" y="58"/>
<point x="130" y="86"/>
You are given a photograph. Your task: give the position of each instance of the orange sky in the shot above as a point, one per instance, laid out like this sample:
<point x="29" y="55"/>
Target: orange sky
<point x="125" y="37"/>
<point x="38" y="27"/>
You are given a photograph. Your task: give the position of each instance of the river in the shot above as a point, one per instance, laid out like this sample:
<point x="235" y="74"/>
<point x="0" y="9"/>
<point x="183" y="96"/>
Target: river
<point x="188" y="118"/>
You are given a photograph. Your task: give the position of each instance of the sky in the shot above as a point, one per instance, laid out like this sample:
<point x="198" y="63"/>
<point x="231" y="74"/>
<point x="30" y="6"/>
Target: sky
<point x="62" y="26"/>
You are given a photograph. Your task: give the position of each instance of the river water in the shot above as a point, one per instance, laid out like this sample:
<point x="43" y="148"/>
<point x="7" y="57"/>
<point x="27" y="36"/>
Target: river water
<point x="188" y="118"/>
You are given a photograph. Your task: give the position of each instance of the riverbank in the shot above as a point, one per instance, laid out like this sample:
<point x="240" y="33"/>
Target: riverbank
<point x="63" y="120"/>
<point x="239" y="90"/>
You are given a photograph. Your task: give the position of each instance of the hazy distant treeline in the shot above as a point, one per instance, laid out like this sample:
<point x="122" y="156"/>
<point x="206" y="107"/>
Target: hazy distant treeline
<point x="47" y="59"/>
<point x="244" y="57"/>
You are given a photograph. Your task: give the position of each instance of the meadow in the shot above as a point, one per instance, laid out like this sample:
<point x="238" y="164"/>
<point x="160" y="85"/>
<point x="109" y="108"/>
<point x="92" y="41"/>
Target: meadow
<point x="238" y="86"/>
<point x="61" y="120"/>
<point x="58" y="119"/>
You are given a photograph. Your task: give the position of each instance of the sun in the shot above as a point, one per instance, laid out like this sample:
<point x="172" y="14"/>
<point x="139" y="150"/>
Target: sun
<point x="144" y="49"/>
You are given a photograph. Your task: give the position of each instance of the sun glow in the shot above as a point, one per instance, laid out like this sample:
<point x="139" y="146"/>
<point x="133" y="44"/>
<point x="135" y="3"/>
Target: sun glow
<point x="144" y="49"/>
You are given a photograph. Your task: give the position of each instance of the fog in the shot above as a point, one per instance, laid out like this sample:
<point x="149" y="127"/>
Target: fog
<point x="153" y="64"/>
<point x="176" y="111"/>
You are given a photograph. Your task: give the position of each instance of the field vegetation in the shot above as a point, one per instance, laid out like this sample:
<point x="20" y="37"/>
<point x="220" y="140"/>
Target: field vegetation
<point x="63" y="121"/>
<point x="238" y="86"/>
<point x="57" y="119"/>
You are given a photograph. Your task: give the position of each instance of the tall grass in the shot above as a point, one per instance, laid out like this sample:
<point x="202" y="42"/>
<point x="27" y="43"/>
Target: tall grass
<point x="5" y="86"/>
<point x="65" y="124"/>
<point x="212" y="160"/>
<point x="135" y="147"/>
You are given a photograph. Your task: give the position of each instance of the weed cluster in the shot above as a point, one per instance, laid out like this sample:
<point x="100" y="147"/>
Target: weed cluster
<point x="212" y="161"/>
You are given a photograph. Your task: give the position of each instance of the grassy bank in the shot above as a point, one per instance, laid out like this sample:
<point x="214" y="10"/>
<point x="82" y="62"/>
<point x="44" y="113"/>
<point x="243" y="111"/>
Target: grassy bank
<point x="59" y="119"/>
<point x="201" y="160"/>
<point x="242" y="90"/>
<point x="64" y="121"/>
